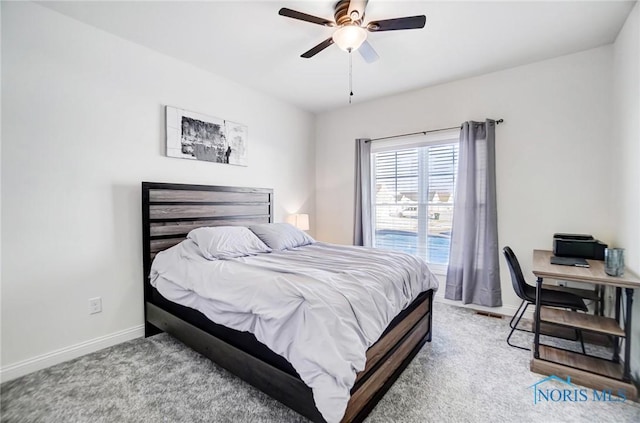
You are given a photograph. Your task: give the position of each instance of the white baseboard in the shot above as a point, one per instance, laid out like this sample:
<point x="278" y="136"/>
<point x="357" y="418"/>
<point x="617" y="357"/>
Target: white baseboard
<point x="43" y="361"/>
<point x="505" y="310"/>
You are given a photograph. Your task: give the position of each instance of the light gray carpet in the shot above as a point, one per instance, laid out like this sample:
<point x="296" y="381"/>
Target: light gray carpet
<point x="466" y="374"/>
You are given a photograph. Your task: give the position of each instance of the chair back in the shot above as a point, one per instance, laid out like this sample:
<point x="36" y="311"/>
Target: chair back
<point x="517" y="278"/>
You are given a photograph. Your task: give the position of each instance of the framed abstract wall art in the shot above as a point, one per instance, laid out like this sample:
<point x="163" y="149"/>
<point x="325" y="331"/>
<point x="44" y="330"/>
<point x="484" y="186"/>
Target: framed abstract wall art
<point x="196" y="136"/>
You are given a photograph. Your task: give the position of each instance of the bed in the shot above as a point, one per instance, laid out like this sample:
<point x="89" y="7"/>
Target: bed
<point x="169" y="212"/>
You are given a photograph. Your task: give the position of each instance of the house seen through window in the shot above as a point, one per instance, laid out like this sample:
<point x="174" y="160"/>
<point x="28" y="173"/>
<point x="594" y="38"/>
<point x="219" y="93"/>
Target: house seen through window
<point x="412" y="190"/>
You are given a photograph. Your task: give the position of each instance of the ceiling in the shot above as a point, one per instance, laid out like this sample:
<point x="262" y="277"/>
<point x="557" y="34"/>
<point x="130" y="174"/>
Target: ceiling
<point x="248" y="42"/>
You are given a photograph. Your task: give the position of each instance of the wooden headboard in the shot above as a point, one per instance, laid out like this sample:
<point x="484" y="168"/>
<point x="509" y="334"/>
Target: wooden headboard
<point x="170" y="211"/>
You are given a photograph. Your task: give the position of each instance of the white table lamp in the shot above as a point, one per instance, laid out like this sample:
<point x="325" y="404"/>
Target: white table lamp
<point x="299" y="220"/>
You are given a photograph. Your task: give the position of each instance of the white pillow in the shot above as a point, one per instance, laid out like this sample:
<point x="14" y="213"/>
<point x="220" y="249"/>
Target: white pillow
<point x="281" y="236"/>
<point x="223" y="242"/>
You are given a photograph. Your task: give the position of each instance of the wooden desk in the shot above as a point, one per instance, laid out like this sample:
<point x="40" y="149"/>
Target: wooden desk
<point x="587" y="370"/>
<point x="594" y="273"/>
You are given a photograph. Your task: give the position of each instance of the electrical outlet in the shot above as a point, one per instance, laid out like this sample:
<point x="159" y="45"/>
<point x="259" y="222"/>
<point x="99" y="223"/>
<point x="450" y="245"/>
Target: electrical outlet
<point x="95" y="305"/>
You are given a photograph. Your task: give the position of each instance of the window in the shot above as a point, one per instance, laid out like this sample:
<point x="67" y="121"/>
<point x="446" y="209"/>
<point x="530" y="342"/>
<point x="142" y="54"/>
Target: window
<point x="412" y="196"/>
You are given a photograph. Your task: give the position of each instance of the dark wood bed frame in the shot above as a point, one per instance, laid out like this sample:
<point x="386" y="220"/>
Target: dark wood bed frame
<point x="170" y="211"/>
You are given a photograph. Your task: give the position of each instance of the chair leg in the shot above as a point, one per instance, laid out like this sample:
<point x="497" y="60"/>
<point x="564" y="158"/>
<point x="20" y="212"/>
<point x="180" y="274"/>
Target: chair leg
<point x="513" y="328"/>
<point x="515" y="314"/>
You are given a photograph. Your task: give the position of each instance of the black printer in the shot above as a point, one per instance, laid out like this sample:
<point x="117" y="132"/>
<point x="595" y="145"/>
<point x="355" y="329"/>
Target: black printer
<point x="578" y="245"/>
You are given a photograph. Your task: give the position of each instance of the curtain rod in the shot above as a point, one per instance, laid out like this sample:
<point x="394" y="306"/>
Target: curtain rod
<point x="499" y="121"/>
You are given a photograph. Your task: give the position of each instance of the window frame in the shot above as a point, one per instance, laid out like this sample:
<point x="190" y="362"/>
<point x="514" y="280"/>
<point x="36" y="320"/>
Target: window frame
<point x="435" y="139"/>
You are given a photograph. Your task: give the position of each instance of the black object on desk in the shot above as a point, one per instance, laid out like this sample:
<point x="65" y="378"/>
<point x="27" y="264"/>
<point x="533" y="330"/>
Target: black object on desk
<point x="578" y="245"/>
<point x="569" y="261"/>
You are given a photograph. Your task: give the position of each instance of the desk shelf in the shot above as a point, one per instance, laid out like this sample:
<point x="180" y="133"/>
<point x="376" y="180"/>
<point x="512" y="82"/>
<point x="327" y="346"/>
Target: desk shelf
<point x="587" y="371"/>
<point x="582" y="321"/>
<point x="579" y="361"/>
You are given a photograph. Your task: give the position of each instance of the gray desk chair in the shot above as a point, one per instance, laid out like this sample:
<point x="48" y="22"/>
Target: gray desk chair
<point x="526" y="292"/>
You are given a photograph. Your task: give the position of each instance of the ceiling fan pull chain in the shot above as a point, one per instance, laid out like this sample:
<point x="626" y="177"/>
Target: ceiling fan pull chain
<point x="350" y="77"/>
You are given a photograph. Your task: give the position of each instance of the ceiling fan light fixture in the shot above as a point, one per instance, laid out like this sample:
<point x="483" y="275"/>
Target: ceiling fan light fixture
<point x="349" y="37"/>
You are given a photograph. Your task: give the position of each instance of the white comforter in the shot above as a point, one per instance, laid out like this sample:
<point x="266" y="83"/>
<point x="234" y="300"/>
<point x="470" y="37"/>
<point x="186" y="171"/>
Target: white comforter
<point x="320" y="306"/>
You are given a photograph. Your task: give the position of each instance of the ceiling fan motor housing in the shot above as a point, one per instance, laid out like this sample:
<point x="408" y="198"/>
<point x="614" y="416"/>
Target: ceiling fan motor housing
<point x="342" y="14"/>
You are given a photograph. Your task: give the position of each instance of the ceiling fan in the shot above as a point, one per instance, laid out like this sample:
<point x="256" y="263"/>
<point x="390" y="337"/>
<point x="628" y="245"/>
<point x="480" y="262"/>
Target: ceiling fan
<point x="351" y="33"/>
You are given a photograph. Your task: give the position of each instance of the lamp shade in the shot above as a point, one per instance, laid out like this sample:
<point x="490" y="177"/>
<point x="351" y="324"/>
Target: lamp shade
<point x="349" y="37"/>
<point x="300" y="221"/>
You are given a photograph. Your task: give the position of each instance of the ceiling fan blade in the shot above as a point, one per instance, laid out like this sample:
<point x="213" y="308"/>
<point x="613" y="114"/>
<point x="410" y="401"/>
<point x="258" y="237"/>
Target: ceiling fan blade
<point x="304" y="17"/>
<point x="410" y="22"/>
<point x="357" y="6"/>
<point x="367" y="52"/>
<point x="317" y="49"/>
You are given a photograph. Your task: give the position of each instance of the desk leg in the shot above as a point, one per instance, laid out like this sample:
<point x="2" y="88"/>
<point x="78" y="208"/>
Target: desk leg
<point x="616" y="340"/>
<point x="536" y="337"/>
<point x="626" y="375"/>
<point x="601" y="293"/>
<point x="618" y="301"/>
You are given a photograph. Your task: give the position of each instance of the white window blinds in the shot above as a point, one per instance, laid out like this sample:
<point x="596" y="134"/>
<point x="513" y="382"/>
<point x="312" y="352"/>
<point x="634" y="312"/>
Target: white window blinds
<point x="413" y="196"/>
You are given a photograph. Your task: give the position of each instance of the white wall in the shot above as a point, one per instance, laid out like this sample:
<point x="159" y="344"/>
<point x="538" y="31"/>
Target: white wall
<point x="553" y="149"/>
<point x="83" y="125"/>
<point x="626" y="163"/>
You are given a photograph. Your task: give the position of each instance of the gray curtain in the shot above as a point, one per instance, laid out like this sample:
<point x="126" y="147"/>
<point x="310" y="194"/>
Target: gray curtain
<point x="362" y="218"/>
<point x="473" y="275"/>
